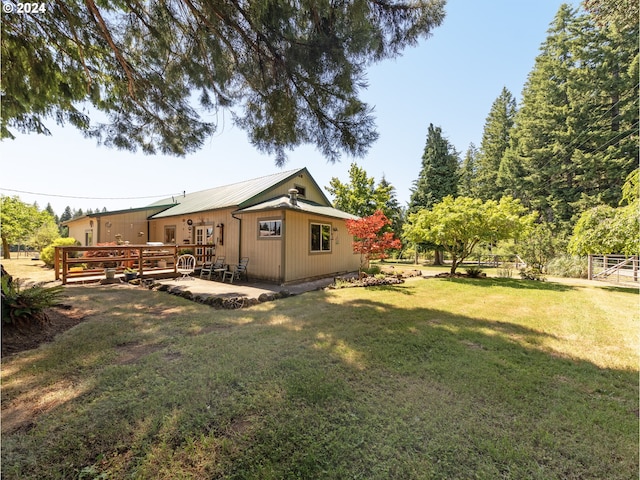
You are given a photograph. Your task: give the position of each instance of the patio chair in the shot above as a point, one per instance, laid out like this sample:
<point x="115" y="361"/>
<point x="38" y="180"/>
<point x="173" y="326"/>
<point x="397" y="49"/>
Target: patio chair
<point x="238" y="271"/>
<point x="205" y="271"/>
<point x="218" y="268"/>
<point x="210" y="268"/>
<point x="185" y="266"/>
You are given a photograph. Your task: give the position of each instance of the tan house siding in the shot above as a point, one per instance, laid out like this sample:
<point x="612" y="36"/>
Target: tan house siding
<point x="302" y="263"/>
<point x="82" y="229"/>
<point x="289" y="258"/>
<point x="132" y="227"/>
<point x="265" y="254"/>
<point x="225" y="237"/>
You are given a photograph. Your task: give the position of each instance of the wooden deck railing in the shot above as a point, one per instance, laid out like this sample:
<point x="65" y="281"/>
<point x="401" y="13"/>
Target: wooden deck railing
<point x="89" y="263"/>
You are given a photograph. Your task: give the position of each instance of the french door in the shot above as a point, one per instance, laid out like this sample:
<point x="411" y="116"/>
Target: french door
<point x="205" y="249"/>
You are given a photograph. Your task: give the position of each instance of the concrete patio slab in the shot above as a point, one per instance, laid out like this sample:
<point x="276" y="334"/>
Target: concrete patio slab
<point x="198" y="286"/>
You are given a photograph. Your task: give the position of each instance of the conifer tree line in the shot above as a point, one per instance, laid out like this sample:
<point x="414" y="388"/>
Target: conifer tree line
<point x="566" y="151"/>
<point x="570" y="144"/>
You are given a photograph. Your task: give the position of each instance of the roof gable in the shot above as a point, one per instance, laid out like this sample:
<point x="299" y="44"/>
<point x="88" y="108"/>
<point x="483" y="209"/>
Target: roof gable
<point x="284" y="203"/>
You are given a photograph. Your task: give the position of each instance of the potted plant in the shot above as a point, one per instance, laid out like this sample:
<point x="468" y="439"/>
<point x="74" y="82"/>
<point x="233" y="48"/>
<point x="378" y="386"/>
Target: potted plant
<point x="130" y="274"/>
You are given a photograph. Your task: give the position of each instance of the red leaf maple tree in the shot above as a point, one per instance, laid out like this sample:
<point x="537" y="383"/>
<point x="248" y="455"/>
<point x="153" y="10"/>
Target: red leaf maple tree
<point x="369" y="239"/>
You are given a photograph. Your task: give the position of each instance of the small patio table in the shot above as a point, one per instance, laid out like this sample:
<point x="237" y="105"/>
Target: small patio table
<point x="220" y="272"/>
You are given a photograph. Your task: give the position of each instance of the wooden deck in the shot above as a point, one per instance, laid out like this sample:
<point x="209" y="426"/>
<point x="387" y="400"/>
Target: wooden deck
<point x="88" y="264"/>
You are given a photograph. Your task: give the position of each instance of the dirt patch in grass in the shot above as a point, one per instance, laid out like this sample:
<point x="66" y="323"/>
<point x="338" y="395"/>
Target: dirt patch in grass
<point x="61" y="319"/>
<point x="130" y="354"/>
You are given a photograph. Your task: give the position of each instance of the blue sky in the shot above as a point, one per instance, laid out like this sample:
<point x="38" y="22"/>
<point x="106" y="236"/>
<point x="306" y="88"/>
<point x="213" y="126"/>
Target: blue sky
<point x="450" y="80"/>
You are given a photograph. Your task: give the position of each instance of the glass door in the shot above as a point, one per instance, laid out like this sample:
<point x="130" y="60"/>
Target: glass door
<point x="204" y="237"/>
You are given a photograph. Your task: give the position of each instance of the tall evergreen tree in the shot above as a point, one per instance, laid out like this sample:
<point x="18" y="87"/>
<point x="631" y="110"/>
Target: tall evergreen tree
<point x="468" y="173"/>
<point x="392" y="208"/>
<point x="49" y="210"/>
<point x="623" y="14"/>
<point x="495" y="141"/>
<point x="543" y="136"/>
<point x="608" y="97"/>
<point x="439" y="173"/>
<point x="575" y="135"/>
<point x="66" y="215"/>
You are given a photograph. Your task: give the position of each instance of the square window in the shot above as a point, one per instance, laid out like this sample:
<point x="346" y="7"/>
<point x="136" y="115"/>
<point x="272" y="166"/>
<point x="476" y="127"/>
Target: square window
<point x="269" y="228"/>
<point x="320" y="237"/>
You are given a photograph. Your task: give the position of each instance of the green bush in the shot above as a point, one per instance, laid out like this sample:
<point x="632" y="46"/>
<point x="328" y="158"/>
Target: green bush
<point x="24" y="307"/>
<point x="532" y="273"/>
<point x="474" y="272"/>
<point x="569" y="266"/>
<point x="505" y="271"/>
<point x="373" y="270"/>
<point x="47" y="255"/>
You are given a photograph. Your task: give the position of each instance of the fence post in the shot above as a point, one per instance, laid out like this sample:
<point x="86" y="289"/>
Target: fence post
<point x="635" y="268"/>
<point x="590" y="268"/>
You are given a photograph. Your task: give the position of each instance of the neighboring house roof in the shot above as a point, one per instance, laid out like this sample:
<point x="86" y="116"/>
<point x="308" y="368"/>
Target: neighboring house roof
<point x="284" y="202"/>
<point x="157" y="206"/>
<point x="234" y="195"/>
<point x="72" y="220"/>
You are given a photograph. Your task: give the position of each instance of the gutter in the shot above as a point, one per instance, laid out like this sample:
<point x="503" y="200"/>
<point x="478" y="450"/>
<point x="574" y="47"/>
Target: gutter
<point x="239" y="235"/>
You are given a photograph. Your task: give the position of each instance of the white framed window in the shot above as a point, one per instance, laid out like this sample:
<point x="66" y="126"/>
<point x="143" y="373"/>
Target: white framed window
<point x="269" y="228"/>
<point x="320" y="237"/>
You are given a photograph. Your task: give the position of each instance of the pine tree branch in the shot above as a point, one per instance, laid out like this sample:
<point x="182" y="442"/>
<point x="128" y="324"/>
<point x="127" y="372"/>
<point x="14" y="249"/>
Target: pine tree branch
<point x="107" y="36"/>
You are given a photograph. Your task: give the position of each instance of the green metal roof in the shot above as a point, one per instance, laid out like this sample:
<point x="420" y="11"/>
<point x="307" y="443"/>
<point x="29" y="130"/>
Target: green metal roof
<point x="234" y="195"/>
<point x="284" y="202"/>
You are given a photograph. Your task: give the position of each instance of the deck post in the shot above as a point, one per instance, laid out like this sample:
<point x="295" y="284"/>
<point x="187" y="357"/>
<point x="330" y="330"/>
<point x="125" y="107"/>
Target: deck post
<point x="64" y="266"/>
<point x="56" y="262"/>
<point x="175" y="259"/>
<point x="140" y="263"/>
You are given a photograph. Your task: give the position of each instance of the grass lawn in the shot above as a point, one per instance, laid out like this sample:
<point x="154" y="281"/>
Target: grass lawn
<point x="433" y="379"/>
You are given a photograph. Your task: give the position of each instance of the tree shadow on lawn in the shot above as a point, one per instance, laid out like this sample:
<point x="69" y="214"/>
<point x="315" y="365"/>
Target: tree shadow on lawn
<point x="511" y="283"/>
<point x="481" y="383"/>
<point x="634" y="291"/>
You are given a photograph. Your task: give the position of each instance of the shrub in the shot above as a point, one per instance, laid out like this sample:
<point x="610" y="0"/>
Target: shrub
<point x="47" y="255"/>
<point x="24" y="307"/>
<point x="474" y="272"/>
<point x="505" y="272"/>
<point x="373" y="270"/>
<point x="569" y="266"/>
<point x="532" y="273"/>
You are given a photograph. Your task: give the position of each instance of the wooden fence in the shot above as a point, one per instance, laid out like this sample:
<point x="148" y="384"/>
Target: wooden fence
<point x="618" y="268"/>
<point x="495" y="261"/>
<point x="86" y="264"/>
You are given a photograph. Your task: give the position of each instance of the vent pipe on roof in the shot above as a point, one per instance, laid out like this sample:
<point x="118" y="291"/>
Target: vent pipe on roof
<point x="293" y="196"/>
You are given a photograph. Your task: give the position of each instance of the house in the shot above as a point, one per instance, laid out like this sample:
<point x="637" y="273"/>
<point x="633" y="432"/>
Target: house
<point x="283" y="222"/>
<point x="131" y="224"/>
